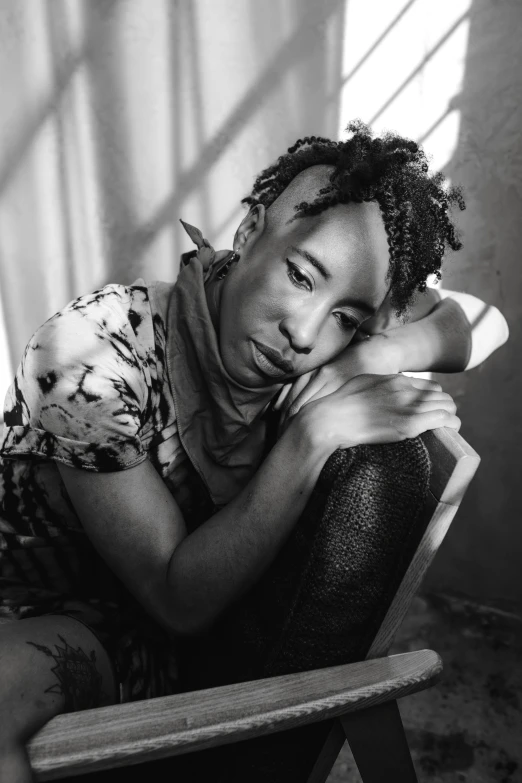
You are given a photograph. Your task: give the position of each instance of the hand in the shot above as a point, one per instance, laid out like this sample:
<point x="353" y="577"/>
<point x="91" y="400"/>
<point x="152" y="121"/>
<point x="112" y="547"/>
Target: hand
<point x="376" y="409"/>
<point x="373" y="355"/>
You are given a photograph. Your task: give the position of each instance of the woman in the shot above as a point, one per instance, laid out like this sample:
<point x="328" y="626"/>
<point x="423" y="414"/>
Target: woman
<point x="138" y="411"/>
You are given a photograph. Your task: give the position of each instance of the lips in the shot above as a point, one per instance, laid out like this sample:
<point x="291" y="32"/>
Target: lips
<point x="270" y="362"/>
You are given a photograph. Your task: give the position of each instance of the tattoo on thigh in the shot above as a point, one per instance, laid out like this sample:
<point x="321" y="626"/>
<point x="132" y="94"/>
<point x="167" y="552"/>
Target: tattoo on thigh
<point x="79" y="681"/>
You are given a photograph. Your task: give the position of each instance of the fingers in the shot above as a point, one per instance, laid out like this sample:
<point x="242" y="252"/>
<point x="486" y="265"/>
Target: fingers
<point x="421" y="383"/>
<point x="294" y="396"/>
<point x="431" y="400"/>
<point x="446" y="403"/>
<point x="283" y="394"/>
<point x="413" y="391"/>
<point x="395" y="382"/>
<point x="432" y="420"/>
<point x="302" y="389"/>
<point x="407" y="382"/>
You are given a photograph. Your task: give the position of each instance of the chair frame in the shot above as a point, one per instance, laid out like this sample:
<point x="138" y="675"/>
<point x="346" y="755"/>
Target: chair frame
<point x="362" y="696"/>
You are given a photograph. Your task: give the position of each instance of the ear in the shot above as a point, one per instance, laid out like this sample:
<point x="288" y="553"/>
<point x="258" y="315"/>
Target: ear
<point x="250" y="228"/>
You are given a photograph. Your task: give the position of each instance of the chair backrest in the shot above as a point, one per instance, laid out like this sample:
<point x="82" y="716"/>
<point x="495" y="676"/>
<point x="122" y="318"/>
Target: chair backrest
<point x="453" y="465"/>
<point x="54" y="750"/>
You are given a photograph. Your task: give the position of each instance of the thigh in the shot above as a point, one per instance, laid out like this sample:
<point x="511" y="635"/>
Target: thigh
<point x="50" y="665"/>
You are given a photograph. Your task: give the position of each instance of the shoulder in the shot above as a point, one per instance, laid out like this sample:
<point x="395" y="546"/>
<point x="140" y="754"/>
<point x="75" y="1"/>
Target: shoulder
<point x="109" y="310"/>
<point x="114" y="321"/>
<point x="82" y="388"/>
<point x="88" y="361"/>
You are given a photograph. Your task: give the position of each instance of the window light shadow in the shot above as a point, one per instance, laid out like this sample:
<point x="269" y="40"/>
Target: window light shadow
<point x="374" y="47"/>
<point x="290" y="53"/>
<point x="453" y="105"/>
<point x="420" y="66"/>
<point x="24" y="138"/>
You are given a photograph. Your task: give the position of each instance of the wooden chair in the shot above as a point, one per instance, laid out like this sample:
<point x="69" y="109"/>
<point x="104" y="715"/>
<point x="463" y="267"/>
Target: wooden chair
<point x="362" y="696"/>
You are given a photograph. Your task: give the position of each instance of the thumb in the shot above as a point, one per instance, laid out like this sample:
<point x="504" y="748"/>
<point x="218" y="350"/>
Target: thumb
<point x="292" y="390"/>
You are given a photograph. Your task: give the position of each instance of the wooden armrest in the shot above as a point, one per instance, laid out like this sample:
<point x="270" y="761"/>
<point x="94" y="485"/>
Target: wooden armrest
<point x="126" y="734"/>
<point x="454" y="464"/>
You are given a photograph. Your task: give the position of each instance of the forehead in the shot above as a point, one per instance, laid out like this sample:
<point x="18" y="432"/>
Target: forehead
<point x="351" y="242"/>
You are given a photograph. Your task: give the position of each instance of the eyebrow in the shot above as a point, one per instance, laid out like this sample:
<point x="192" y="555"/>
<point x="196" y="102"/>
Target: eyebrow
<point x="357" y="303"/>
<point x="313" y="260"/>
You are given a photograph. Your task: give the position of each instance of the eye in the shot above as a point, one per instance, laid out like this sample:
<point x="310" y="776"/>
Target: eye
<point x="297" y="277"/>
<point x="346" y="322"/>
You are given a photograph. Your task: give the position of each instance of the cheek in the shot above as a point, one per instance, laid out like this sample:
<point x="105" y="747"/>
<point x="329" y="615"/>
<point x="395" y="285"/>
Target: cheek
<point x="262" y="297"/>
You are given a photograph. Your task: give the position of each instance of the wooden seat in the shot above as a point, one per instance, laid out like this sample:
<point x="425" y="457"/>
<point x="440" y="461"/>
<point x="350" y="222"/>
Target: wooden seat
<point x="361" y="696"/>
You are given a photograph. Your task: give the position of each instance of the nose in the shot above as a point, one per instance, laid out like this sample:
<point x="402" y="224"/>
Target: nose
<point x="301" y="329"/>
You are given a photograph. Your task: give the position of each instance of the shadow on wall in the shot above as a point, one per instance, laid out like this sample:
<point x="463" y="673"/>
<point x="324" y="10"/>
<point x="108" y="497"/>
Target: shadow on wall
<point x="482" y="554"/>
<point x="303" y="55"/>
<point x="110" y="132"/>
<point x="124" y="117"/>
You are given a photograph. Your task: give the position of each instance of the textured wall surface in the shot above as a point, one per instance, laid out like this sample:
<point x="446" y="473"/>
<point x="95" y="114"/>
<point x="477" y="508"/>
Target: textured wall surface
<point x="482" y="555"/>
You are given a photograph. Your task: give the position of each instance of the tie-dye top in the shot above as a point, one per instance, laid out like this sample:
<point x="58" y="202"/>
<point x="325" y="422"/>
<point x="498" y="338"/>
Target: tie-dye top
<point x="92" y="391"/>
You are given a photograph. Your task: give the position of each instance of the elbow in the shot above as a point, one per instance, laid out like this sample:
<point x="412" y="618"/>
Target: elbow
<point x="186" y="628"/>
<point x="186" y="613"/>
<point x="498" y="327"/>
<point x="487" y="336"/>
<point x="187" y="619"/>
<point x="178" y="622"/>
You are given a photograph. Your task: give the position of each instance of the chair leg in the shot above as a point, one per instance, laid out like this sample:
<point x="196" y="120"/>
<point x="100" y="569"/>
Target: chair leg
<point x="328" y="755"/>
<point x="379" y="745"/>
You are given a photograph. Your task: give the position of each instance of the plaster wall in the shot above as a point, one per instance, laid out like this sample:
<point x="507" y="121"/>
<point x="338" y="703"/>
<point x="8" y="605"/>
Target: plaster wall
<point x="482" y="554"/>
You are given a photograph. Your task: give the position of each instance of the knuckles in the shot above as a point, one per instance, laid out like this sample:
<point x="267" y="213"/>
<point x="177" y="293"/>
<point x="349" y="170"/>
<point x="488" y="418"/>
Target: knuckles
<point x="405" y="428"/>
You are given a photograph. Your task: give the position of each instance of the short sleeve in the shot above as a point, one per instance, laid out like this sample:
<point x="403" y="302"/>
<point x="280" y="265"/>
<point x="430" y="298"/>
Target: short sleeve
<point x="82" y="387"/>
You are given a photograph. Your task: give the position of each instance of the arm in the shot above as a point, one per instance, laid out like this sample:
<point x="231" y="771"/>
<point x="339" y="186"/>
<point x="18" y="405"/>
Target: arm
<point x="489" y="329"/>
<point x="186" y="581"/>
<point x="447" y="331"/>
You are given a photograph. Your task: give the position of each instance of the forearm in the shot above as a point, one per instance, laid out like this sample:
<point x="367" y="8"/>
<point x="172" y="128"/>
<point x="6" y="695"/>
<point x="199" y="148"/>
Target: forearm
<point x="223" y="558"/>
<point x="489" y="329"/>
<point x="439" y="342"/>
<point x="444" y="327"/>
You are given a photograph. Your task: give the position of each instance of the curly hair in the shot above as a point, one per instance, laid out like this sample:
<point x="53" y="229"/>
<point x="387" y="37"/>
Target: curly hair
<point x="391" y="170"/>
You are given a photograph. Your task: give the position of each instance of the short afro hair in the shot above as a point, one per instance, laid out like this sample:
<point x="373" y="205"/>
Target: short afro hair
<point x="391" y="170"/>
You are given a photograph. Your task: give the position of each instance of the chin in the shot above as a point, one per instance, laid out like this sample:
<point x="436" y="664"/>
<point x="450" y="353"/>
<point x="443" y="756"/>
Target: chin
<point x="248" y="380"/>
<point x="239" y="372"/>
<point x="237" y="361"/>
<point x="242" y="375"/>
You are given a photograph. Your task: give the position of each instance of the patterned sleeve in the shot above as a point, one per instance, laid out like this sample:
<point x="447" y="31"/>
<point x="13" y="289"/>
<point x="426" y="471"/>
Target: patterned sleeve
<point x="82" y="387"/>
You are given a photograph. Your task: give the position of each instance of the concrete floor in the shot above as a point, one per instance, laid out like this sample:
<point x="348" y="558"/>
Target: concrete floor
<point x="469" y="726"/>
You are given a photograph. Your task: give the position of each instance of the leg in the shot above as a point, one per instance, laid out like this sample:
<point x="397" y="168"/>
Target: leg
<point x="378" y="743"/>
<point x="49" y="665"/>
